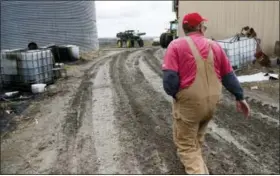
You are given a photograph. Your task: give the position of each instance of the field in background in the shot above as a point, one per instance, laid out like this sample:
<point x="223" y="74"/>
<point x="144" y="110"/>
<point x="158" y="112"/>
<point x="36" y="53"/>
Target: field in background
<point x="112" y="42"/>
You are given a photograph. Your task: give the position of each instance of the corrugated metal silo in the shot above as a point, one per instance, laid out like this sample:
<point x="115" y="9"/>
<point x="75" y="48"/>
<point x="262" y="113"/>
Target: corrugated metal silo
<point x="48" y="22"/>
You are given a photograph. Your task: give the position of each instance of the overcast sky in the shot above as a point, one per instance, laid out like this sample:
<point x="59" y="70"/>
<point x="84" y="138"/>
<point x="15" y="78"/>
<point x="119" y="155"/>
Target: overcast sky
<point x="151" y="17"/>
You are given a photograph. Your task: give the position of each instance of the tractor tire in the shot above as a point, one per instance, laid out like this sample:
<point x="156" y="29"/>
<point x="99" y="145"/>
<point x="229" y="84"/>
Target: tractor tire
<point x="120" y="44"/>
<point x="141" y="43"/>
<point x="128" y="43"/>
<point x="132" y="43"/>
<point x="168" y="39"/>
<point x="162" y="40"/>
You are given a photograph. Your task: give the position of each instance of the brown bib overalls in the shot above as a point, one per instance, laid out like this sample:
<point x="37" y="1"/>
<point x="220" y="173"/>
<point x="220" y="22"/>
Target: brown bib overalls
<point x="192" y="111"/>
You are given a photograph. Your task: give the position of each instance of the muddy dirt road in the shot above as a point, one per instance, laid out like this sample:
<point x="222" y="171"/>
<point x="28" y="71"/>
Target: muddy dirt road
<point x="116" y="119"/>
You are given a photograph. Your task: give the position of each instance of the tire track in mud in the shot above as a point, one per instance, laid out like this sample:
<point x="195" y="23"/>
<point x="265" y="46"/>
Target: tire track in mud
<point x="76" y="152"/>
<point x="159" y="54"/>
<point x="155" y="82"/>
<point x="105" y="132"/>
<point x="152" y="62"/>
<point x="265" y="108"/>
<point x="259" y="135"/>
<point x="143" y="119"/>
<point x="233" y="143"/>
<point x="122" y="113"/>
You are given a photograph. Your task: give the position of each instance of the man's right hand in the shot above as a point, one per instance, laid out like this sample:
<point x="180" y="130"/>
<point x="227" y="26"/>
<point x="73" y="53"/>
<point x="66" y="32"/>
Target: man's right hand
<point x="242" y="106"/>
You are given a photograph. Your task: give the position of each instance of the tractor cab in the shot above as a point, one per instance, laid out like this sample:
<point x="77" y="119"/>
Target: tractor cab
<point x="130" y="31"/>
<point x="171" y="34"/>
<point x="174" y="27"/>
<point x="129" y="37"/>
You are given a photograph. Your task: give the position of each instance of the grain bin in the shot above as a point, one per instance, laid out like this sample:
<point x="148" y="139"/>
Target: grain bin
<point x="45" y="22"/>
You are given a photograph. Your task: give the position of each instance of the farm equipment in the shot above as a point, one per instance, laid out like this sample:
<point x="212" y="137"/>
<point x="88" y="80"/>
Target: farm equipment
<point x="155" y="42"/>
<point x="129" y="38"/>
<point x="171" y="34"/>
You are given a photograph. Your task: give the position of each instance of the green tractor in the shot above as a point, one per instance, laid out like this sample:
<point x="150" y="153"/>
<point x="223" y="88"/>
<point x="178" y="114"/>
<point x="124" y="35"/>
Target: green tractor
<point x="129" y="38"/>
<point x="171" y="34"/>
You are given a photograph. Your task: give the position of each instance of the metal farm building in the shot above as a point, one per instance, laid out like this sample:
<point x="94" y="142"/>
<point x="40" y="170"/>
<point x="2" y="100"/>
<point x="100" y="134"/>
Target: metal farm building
<point x="226" y="18"/>
<point x="48" y="22"/>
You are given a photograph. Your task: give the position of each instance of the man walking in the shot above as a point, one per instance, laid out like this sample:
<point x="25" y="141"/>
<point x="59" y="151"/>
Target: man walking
<point x="194" y="70"/>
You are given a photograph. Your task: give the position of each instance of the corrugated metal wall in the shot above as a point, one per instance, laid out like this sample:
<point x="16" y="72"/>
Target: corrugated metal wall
<point x="46" y="22"/>
<point x="226" y="18"/>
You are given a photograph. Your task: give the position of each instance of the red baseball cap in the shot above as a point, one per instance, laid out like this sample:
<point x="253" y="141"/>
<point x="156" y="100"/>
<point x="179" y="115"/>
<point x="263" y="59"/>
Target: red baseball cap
<point x="193" y="19"/>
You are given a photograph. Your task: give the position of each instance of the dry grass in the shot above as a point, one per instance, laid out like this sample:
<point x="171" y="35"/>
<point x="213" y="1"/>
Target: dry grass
<point x="90" y="55"/>
<point x="147" y="43"/>
<point x="271" y="87"/>
<point x="256" y="68"/>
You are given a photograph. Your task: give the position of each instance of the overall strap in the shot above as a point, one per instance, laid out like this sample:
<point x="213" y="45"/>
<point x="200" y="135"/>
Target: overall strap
<point x="193" y="48"/>
<point x="210" y="56"/>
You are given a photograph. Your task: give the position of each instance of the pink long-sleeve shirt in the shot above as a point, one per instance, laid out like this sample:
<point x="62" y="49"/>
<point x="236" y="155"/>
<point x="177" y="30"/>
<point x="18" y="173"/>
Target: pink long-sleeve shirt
<point x="179" y="58"/>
